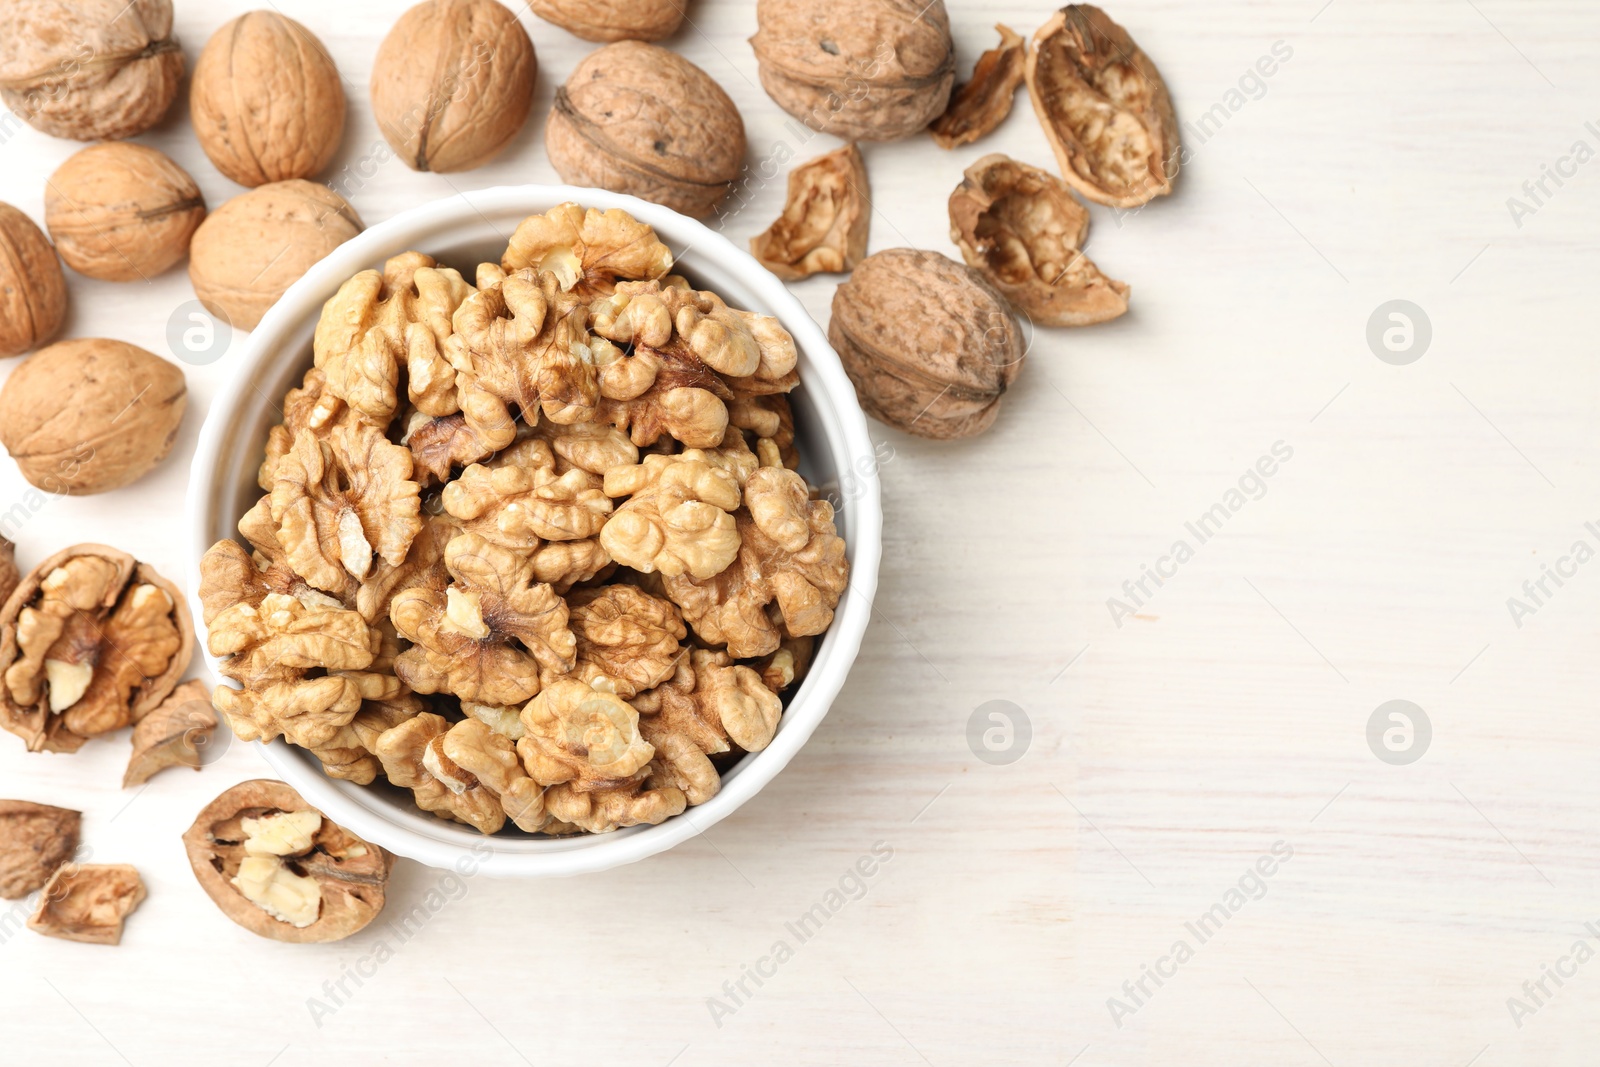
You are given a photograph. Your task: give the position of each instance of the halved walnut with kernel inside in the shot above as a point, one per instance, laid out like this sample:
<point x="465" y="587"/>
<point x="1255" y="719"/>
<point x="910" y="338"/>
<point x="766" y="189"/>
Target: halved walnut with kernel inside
<point x="484" y="637"/>
<point x="789" y="555"/>
<point x="825" y="220"/>
<point x="278" y="868"/>
<point x="91" y="640"/>
<point x="588" y="251"/>
<point x="678" y="518"/>
<point x="705" y="709"/>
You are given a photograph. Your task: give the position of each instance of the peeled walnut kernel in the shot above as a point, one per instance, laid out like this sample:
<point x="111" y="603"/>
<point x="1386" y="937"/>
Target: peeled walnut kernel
<point x="929" y="344"/>
<point x="88" y="903"/>
<point x="452" y="83"/>
<point x="1023" y="229"/>
<point x="251" y="249"/>
<point x="82" y="417"/>
<point x="983" y="103"/>
<point x="1106" y="112"/>
<point x="638" y="119"/>
<point x="278" y="868"/>
<point x="266" y="101"/>
<point x="121" y="211"/>
<point x="35" y="839"/>
<point x="870" y="70"/>
<point x="614" y="20"/>
<point x="825" y="220"/>
<point x="33" y="292"/>
<point x="589" y="251"/>
<point x="90" y="70"/>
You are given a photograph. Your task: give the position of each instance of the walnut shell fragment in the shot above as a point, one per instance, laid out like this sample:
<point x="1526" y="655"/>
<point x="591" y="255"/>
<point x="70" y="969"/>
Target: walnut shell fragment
<point x="91" y="70"/>
<point x="614" y="20"/>
<point x="983" y="103"/>
<point x="91" y="641"/>
<point x="1105" y="109"/>
<point x="33" y="291"/>
<point x="870" y="70"/>
<point x="453" y="83"/>
<point x="277" y="867"/>
<point x="825" y="220"/>
<point x="635" y="118"/>
<point x="88" y="902"/>
<point x="10" y="577"/>
<point x="172" y="733"/>
<point x="930" y="345"/>
<point x="1023" y="230"/>
<point x="35" y="839"/>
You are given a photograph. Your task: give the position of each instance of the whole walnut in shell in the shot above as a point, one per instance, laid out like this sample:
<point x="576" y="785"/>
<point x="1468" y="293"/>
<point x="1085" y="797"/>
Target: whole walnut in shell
<point x="266" y="100"/>
<point x="614" y="20"/>
<point x="929" y="344"/>
<point x="33" y="292"/>
<point x="638" y="119"/>
<point x="89" y="415"/>
<point x="453" y="83"/>
<point x="90" y="70"/>
<point x="122" y="212"/>
<point x="870" y="70"/>
<point x="251" y="249"/>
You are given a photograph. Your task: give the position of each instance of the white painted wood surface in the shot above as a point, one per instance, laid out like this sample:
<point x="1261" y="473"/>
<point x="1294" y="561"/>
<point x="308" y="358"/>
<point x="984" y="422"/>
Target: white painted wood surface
<point x="1167" y="753"/>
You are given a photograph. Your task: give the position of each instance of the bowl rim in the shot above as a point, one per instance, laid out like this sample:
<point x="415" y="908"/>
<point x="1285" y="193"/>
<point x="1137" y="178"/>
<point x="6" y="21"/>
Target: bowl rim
<point x="364" y="811"/>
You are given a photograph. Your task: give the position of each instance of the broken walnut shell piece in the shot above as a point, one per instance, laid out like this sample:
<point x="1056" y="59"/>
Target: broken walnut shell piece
<point x="1105" y="109"/>
<point x="241" y="844"/>
<point x="91" y="640"/>
<point x="983" y="103"/>
<point x="88" y="902"/>
<point x="1023" y="230"/>
<point x="825" y="219"/>
<point x="35" y="839"/>
<point x="172" y="734"/>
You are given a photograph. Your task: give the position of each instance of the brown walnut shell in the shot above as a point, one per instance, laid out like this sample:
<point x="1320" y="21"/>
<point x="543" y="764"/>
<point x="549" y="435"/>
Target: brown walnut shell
<point x="351" y="873"/>
<point x="1024" y="230"/>
<point x="635" y="118"/>
<point x="251" y="249"/>
<point x="33" y="291"/>
<point x="929" y="344"/>
<point x="266" y="100"/>
<point x="35" y="839"/>
<point x="1105" y="109"/>
<point x="614" y="20"/>
<point x="453" y="83"/>
<point x="983" y="103"/>
<point x="84" y="416"/>
<point x="49" y="731"/>
<point x="90" y="70"/>
<point x="869" y="70"/>
<point x="88" y="902"/>
<point x="826" y="218"/>
<point x="122" y="212"/>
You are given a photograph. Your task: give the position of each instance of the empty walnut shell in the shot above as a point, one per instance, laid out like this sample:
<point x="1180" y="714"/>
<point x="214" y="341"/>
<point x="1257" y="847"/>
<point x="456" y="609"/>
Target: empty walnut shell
<point x="35" y="839"/>
<point x="122" y="212"/>
<point x="172" y="733"/>
<point x="251" y="249"/>
<point x="92" y="414"/>
<point x="88" y="902"/>
<point x="614" y="20"/>
<point x="33" y="291"/>
<point x="983" y="103"/>
<point x="869" y="70"/>
<point x="1105" y="109"/>
<point x="635" y="118"/>
<point x="91" y="70"/>
<point x="266" y="100"/>
<point x="134" y="660"/>
<point x="453" y="83"/>
<point x="350" y="873"/>
<point x="1023" y="229"/>
<point x="929" y="344"/>
<point x="826" y="218"/>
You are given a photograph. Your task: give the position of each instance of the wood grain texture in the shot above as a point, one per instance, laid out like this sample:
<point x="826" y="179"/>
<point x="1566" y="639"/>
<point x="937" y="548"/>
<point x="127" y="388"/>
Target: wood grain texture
<point x="1167" y="753"/>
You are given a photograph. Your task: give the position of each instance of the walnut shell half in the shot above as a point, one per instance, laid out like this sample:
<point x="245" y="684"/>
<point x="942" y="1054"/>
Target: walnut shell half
<point x="1105" y="109"/>
<point x="90" y="641"/>
<point x="33" y="291"/>
<point x="88" y="903"/>
<point x="929" y="344"/>
<point x="635" y="118"/>
<point x="826" y="219"/>
<point x="1023" y="229"/>
<point x="349" y="875"/>
<point x="614" y="20"/>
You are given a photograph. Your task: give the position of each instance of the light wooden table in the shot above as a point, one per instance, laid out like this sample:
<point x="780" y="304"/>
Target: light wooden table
<point x="1227" y="719"/>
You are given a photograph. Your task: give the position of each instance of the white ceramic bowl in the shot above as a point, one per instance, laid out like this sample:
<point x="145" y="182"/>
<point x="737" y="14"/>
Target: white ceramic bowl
<point x="463" y="231"/>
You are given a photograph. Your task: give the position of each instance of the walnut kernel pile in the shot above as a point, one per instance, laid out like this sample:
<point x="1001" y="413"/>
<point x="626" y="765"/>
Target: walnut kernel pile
<point x="534" y="548"/>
